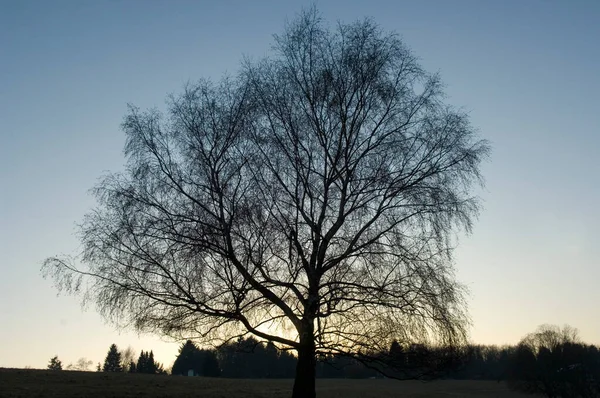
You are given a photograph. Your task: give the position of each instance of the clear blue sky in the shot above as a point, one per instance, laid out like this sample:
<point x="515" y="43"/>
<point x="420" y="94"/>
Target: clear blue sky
<point x="526" y="70"/>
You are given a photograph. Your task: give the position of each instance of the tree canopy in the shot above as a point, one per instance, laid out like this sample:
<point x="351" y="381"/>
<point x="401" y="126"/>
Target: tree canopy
<point x="313" y="200"/>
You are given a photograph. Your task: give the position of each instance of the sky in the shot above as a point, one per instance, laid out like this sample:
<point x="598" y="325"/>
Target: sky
<point x="526" y="71"/>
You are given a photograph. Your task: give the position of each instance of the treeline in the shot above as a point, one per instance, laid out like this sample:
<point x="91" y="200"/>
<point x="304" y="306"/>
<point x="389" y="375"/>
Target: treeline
<point x="551" y="361"/>
<point x="249" y="358"/>
<point x="116" y="361"/>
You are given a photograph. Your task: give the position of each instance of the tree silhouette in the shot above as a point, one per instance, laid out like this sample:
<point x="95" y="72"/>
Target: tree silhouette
<point x="249" y="358"/>
<point x="55" y="363"/>
<point x="145" y="363"/>
<point x="313" y="201"/>
<point x="82" y="365"/>
<point x="201" y="362"/>
<point x="112" y="363"/>
<point x="210" y="364"/>
<point x="127" y="358"/>
<point x="186" y="359"/>
<point x="552" y="361"/>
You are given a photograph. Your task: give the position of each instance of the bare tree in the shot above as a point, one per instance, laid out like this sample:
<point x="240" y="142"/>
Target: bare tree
<point x="313" y="201"/>
<point x="128" y="357"/>
<point x="83" y="365"/>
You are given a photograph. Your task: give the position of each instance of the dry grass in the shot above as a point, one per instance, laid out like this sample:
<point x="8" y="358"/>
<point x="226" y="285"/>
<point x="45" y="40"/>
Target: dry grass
<point x="28" y="383"/>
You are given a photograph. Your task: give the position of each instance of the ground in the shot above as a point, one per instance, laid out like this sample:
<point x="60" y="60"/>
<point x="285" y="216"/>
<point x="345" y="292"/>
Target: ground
<point x="28" y="383"/>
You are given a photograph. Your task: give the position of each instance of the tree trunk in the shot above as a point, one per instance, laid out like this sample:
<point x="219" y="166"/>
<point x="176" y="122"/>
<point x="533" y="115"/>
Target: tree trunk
<point x="304" y="384"/>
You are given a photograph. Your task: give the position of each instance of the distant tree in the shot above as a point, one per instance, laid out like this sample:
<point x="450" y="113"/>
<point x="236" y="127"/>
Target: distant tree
<point x="503" y="363"/>
<point x="160" y="369"/>
<point x="143" y="364"/>
<point x="417" y="361"/>
<point x="83" y="364"/>
<point x="249" y="358"/>
<point x="112" y="363"/>
<point x="476" y="362"/>
<point x="131" y="368"/>
<point x="201" y="362"/>
<point x="151" y="365"/>
<point x="210" y="364"/>
<point x="99" y="367"/>
<point x="127" y="357"/>
<point x="186" y="359"/>
<point x="228" y="356"/>
<point x="271" y="354"/>
<point x="147" y="364"/>
<point x="523" y="373"/>
<point x="398" y="357"/>
<point x="552" y="361"/>
<point x="55" y="363"/>
<point x="320" y="190"/>
<point x="242" y="358"/>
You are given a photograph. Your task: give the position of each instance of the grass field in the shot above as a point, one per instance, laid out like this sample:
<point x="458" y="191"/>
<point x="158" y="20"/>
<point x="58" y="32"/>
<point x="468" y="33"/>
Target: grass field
<point x="28" y="383"/>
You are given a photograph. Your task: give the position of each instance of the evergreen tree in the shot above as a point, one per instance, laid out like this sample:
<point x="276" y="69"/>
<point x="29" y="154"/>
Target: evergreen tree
<point x="112" y="363"/>
<point x="210" y="363"/>
<point x="146" y="364"/>
<point x="186" y="360"/>
<point x="151" y="365"/>
<point x="201" y="362"/>
<point x="132" y="367"/>
<point x="55" y="363"/>
<point x="249" y="358"/>
<point x="141" y="363"/>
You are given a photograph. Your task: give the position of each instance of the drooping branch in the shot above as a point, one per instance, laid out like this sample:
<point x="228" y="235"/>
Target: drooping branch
<point x="313" y="201"/>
